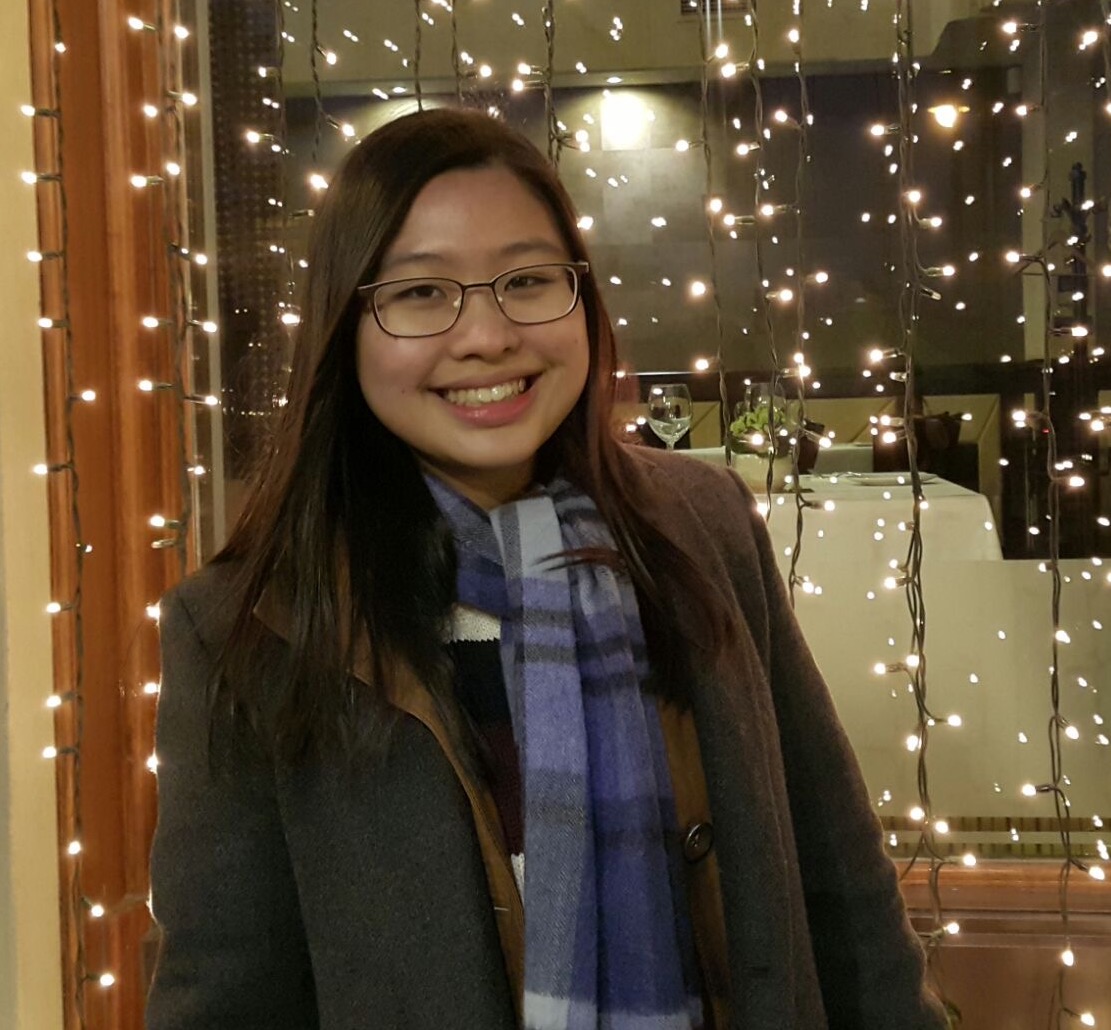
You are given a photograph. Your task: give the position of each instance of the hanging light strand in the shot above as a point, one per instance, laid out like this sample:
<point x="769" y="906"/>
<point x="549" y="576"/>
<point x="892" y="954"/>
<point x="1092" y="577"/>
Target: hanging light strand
<point x="72" y="717"/>
<point x="1105" y="50"/>
<point x="320" y="116"/>
<point x="556" y="136"/>
<point x="281" y="136"/>
<point x="172" y="134"/>
<point x="911" y="290"/>
<point x="708" y="214"/>
<point x="799" y="365"/>
<point x="1056" y="723"/>
<point x="418" y="47"/>
<point x="763" y="133"/>
<point x="456" y="60"/>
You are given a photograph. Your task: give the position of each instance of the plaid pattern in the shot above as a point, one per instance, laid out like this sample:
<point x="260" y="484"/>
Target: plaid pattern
<point x="607" y="935"/>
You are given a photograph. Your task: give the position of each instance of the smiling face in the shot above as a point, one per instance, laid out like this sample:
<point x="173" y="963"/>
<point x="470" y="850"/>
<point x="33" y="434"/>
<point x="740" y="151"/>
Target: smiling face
<point x="475" y="403"/>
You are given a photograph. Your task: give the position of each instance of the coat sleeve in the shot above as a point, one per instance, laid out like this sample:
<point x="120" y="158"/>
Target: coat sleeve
<point x="232" y="951"/>
<point x="869" y="960"/>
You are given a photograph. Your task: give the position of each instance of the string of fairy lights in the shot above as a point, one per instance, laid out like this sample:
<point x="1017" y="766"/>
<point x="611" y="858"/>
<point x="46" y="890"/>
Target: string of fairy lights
<point x="804" y="434"/>
<point x="709" y="58"/>
<point x="181" y="324"/>
<point x="68" y="699"/>
<point x="1057" y="724"/>
<point x="909" y="574"/>
<point x="764" y="210"/>
<point x="765" y="439"/>
<point x="557" y="133"/>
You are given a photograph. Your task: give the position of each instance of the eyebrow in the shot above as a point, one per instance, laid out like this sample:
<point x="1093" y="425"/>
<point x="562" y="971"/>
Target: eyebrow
<point x="511" y="251"/>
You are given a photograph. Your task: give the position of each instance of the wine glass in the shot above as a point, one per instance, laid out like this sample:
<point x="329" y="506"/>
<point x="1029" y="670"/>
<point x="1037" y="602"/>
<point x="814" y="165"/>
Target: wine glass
<point x="669" y="412"/>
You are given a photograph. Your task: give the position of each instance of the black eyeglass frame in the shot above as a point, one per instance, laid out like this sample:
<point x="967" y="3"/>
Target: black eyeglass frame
<point x="369" y="291"/>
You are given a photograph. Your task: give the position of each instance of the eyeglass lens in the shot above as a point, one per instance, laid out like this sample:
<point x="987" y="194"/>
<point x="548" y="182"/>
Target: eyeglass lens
<point x="425" y="307"/>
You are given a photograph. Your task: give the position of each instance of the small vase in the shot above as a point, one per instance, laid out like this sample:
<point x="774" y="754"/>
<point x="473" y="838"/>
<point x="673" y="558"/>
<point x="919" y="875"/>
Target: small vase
<point x="753" y="469"/>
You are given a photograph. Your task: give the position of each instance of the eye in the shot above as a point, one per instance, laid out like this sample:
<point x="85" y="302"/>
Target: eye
<point x="532" y="277"/>
<point x="417" y="291"/>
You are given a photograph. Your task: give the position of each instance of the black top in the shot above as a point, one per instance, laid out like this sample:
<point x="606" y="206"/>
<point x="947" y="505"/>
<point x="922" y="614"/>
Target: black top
<point x="480" y="687"/>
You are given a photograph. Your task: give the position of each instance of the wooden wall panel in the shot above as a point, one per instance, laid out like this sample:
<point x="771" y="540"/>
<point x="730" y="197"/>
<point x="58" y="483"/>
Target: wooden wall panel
<point x="126" y="455"/>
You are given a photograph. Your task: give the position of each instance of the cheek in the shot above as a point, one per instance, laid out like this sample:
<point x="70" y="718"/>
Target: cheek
<point x="389" y="367"/>
<point x="581" y="349"/>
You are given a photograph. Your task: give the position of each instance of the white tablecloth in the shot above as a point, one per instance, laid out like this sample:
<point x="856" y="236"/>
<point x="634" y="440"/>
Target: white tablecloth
<point x="869" y="523"/>
<point x="956" y="525"/>
<point x="988" y="646"/>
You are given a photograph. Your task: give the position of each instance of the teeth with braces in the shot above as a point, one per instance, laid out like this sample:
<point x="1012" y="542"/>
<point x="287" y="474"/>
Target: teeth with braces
<point x="485" y="394"/>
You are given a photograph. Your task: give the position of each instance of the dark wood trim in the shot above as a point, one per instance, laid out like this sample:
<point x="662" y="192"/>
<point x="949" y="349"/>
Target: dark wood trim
<point x="1011" y="905"/>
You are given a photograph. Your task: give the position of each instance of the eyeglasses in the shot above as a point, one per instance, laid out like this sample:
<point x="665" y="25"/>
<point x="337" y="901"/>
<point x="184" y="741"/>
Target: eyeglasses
<point x="428" y="306"/>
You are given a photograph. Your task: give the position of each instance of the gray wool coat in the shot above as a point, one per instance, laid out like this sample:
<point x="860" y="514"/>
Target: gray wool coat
<point x="296" y="899"/>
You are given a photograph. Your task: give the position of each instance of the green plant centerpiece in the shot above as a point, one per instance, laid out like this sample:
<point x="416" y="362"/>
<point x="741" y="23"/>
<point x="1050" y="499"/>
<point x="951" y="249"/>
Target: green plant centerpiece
<point x="763" y="428"/>
<point x="760" y="438"/>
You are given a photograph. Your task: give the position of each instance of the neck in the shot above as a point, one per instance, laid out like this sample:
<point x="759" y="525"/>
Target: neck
<point x="488" y="488"/>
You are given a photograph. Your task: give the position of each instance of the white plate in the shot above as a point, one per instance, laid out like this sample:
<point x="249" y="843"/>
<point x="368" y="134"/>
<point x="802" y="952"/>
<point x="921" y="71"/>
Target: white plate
<point x="884" y="478"/>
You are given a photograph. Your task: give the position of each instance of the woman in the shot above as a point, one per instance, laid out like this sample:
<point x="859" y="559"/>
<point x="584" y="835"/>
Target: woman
<point x="417" y="772"/>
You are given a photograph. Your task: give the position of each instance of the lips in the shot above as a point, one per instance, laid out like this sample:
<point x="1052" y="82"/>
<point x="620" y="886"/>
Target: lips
<point x="482" y="396"/>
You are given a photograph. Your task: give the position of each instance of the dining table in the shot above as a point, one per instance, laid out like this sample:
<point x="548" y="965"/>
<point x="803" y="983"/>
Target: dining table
<point x="988" y="640"/>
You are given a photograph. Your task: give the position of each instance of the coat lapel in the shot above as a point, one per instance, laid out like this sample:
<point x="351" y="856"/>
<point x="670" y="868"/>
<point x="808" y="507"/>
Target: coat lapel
<point x="738" y="741"/>
<point x="406" y="693"/>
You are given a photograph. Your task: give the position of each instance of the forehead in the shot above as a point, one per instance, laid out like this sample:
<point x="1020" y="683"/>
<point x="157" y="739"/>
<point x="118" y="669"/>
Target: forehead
<point x="475" y="215"/>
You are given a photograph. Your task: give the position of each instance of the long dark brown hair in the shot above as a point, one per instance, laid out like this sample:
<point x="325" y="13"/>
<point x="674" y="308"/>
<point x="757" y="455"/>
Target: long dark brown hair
<point x="341" y="523"/>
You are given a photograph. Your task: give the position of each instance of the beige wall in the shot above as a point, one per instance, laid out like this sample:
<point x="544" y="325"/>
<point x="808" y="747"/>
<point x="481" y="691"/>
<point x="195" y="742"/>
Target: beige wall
<point x="30" y="976"/>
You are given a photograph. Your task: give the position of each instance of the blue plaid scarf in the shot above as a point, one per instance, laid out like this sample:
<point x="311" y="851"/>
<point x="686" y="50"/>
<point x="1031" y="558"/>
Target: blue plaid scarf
<point x="607" y="935"/>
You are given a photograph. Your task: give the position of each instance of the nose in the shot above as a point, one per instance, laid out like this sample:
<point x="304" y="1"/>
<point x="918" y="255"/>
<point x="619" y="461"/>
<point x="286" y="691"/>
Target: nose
<point x="483" y="328"/>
